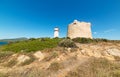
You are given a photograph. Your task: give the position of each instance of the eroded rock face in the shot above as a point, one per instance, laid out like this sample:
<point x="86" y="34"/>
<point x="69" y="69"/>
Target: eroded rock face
<point x="109" y="51"/>
<point x="22" y="58"/>
<point x="114" y="52"/>
<point x="79" y="29"/>
<point x="39" y="55"/>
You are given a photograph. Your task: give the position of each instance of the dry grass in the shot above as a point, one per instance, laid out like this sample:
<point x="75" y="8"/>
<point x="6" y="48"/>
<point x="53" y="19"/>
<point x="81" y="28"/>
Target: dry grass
<point x="96" y="68"/>
<point x="55" y="66"/>
<point x="29" y="61"/>
<point x="29" y="72"/>
<point x="3" y="75"/>
<point x="10" y="63"/>
<point x="4" y="56"/>
<point x="51" y="56"/>
<point x="117" y="58"/>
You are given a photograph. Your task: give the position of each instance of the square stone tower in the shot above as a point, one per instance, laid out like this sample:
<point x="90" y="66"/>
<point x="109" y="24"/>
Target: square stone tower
<point x="79" y="29"/>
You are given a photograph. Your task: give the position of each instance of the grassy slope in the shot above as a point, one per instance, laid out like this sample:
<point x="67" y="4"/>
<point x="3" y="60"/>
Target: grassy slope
<point x="31" y="45"/>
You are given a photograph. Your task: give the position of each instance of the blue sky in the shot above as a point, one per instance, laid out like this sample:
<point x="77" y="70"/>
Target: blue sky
<point x="37" y="18"/>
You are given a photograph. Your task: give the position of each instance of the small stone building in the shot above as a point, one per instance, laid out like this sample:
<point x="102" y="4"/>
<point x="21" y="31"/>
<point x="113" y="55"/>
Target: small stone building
<point x="79" y="29"/>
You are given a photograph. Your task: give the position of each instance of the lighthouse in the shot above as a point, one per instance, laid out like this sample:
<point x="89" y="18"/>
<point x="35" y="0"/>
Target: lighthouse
<point x="56" y="32"/>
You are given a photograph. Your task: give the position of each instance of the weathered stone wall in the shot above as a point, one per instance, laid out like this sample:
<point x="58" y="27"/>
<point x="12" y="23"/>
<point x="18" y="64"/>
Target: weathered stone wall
<point x="79" y="29"/>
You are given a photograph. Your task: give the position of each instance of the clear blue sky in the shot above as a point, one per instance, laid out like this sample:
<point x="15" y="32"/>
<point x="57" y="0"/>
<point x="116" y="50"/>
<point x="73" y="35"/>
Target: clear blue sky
<point x="37" y="18"/>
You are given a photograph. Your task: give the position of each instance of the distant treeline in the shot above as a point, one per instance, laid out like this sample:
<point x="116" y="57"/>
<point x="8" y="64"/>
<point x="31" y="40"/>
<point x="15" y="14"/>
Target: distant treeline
<point x="13" y="40"/>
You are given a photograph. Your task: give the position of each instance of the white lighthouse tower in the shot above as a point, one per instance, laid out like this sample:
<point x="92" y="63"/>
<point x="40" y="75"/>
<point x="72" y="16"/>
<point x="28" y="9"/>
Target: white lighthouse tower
<point x="56" y="32"/>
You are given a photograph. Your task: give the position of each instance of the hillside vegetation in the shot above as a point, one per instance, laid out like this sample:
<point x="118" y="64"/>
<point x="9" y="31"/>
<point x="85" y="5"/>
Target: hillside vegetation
<point x="32" y="45"/>
<point x="60" y="57"/>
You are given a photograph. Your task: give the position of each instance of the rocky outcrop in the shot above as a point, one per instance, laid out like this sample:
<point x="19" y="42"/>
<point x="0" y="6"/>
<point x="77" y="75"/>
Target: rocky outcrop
<point x="39" y="55"/>
<point x="22" y="58"/>
<point x="114" y="52"/>
<point x="100" y="50"/>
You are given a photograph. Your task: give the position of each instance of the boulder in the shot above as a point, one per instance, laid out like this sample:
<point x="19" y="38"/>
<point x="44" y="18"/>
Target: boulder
<point x="22" y="58"/>
<point x="114" y="52"/>
<point x="39" y="55"/>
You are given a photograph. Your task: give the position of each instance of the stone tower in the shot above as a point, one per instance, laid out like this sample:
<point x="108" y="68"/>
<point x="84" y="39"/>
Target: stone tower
<point x="56" y="32"/>
<point x="79" y="29"/>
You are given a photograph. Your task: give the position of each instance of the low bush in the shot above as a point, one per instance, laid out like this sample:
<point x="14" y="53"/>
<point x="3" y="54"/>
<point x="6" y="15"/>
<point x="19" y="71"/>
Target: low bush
<point x="82" y="40"/>
<point x="100" y="40"/>
<point x="89" y="40"/>
<point x="67" y="43"/>
<point x="32" y="39"/>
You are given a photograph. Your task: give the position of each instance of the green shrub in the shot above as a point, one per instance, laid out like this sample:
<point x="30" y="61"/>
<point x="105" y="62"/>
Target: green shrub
<point x="82" y="40"/>
<point x="45" y="39"/>
<point x="32" y="39"/>
<point x="88" y="40"/>
<point x="68" y="37"/>
<point x="100" y="40"/>
<point x="67" y="43"/>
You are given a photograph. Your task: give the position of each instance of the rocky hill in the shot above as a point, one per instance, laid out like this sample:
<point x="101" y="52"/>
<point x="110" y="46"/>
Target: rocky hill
<point x="86" y="60"/>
